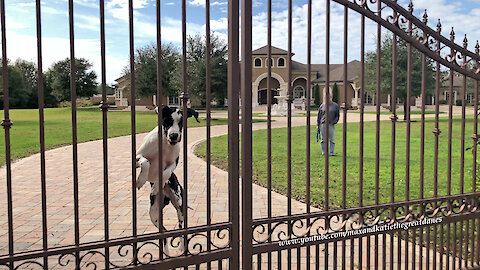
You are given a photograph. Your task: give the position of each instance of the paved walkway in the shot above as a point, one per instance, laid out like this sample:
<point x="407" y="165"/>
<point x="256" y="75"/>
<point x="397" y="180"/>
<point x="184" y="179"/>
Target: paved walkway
<point x="27" y="213"/>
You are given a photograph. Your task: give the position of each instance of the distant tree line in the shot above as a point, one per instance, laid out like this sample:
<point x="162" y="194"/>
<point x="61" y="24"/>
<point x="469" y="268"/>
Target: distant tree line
<point x="402" y="70"/>
<point x="172" y="69"/>
<point x="23" y="83"/>
<point x="23" y="75"/>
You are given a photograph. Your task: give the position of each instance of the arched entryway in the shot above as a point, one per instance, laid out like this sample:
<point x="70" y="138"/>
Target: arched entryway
<point x="263" y="93"/>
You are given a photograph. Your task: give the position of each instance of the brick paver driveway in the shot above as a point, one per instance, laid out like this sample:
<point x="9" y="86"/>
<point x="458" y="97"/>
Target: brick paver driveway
<point x="27" y="195"/>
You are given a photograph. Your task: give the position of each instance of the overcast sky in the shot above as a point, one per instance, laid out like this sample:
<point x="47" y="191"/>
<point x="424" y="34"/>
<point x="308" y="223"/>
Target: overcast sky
<point x="21" y="29"/>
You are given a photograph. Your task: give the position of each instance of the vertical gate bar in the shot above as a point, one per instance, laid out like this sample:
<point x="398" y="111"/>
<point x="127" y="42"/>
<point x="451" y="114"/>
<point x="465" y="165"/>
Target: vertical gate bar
<point x="185" y="98"/>
<point x="436" y="132"/>
<point x="269" y="126"/>
<point x="407" y="114"/>
<point x="74" y="130"/>
<point x="464" y="247"/>
<point x="454" y="240"/>
<point x="462" y="155"/>
<point x="393" y="118"/>
<point x="361" y="135"/>
<point x="289" y="130"/>
<point x="299" y="254"/>
<point x="345" y="109"/>
<point x="422" y="151"/>
<point x="133" y="128"/>
<point x="279" y="260"/>
<point x="246" y="90"/>
<point x="6" y="123"/>
<point x="104" y="107"/>
<point x="160" y="129"/>
<point x="475" y="245"/>
<point x="449" y="173"/>
<point x="41" y="105"/>
<point x="309" y="91"/>
<point x="208" y="101"/>
<point x="326" y="102"/>
<point x="233" y="132"/>
<point x="377" y="122"/>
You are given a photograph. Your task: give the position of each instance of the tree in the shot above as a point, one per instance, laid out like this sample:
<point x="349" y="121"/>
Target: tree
<point x="146" y="70"/>
<point x="196" y="67"/>
<point x="386" y="70"/>
<point x="335" y="93"/>
<point x="58" y="78"/>
<point x="17" y="94"/>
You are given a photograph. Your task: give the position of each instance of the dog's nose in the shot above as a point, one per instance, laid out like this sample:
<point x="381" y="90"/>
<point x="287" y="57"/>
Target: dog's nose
<point x="174" y="137"/>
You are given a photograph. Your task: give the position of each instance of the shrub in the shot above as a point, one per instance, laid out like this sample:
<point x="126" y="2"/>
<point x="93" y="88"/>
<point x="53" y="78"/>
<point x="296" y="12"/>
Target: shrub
<point x="81" y="102"/>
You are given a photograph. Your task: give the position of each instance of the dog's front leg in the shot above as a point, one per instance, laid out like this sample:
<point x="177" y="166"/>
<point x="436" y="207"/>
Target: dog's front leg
<point x="168" y="172"/>
<point x="144" y="165"/>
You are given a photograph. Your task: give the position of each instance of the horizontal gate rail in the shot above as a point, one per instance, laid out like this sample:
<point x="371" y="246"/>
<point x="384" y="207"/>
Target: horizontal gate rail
<point x="211" y="256"/>
<point x="274" y="246"/>
<point x="422" y="47"/>
<point x="363" y="209"/>
<point x="121" y="242"/>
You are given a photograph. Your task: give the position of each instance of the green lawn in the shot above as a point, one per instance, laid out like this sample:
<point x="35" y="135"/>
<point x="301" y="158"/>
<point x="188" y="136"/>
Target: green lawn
<point x="279" y="157"/>
<point x="399" y="112"/>
<point x="58" y="131"/>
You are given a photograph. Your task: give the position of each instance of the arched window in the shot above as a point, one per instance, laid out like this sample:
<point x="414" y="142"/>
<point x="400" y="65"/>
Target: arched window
<point x="258" y="62"/>
<point x="281" y="62"/>
<point x="299" y="92"/>
<point x="266" y="63"/>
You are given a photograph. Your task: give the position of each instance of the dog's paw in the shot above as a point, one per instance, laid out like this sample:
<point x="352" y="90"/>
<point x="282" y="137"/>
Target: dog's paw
<point x="141" y="180"/>
<point x="180" y="217"/>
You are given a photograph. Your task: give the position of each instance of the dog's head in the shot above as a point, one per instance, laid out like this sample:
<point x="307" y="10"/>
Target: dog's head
<point x="173" y="122"/>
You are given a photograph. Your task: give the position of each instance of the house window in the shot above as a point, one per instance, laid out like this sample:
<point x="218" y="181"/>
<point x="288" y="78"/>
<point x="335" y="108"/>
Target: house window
<point x="368" y="98"/>
<point x="173" y="100"/>
<point x="266" y="62"/>
<point x="258" y="62"/>
<point x="299" y="92"/>
<point x="470" y="98"/>
<point x="118" y="94"/>
<point x="447" y="96"/>
<point x="281" y="62"/>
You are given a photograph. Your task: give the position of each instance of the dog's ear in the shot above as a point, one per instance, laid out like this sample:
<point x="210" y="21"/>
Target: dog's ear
<point x="192" y="112"/>
<point x="165" y="110"/>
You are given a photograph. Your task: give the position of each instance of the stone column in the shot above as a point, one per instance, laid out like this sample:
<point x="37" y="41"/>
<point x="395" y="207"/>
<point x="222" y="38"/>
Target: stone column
<point x="254" y="95"/>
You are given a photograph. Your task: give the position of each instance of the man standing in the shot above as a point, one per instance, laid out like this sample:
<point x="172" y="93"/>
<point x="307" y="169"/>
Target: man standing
<point x="333" y="116"/>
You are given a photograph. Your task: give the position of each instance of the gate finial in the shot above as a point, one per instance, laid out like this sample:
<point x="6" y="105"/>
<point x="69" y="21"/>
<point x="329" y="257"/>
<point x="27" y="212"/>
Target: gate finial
<point x="465" y="42"/>
<point x="410" y="7"/>
<point x="439" y="26"/>
<point x="477" y="48"/>
<point x="425" y="17"/>
<point x="452" y="34"/>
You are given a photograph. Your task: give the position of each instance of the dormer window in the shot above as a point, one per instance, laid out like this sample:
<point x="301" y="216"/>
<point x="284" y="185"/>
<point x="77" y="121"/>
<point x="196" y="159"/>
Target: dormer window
<point x="281" y="62"/>
<point x="258" y="63"/>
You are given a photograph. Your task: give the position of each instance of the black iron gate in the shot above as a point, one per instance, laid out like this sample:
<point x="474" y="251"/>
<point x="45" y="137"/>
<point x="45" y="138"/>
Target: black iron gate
<point x="445" y="229"/>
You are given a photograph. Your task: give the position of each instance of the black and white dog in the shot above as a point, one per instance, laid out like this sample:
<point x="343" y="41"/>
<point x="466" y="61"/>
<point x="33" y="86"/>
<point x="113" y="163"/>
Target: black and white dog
<point x="172" y="192"/>
<point x="147" y="159"/>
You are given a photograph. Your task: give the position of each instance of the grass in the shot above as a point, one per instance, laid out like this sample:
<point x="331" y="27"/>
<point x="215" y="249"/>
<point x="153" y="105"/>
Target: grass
<point x="279" y="161"/>
<point x="400" y="112"/>
<point x="24" y="133"/>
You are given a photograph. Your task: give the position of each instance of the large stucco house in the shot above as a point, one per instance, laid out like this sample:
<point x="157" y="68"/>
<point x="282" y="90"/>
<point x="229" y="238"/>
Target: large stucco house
<point x="279" y="82"/>
<point x="122" y="96"/>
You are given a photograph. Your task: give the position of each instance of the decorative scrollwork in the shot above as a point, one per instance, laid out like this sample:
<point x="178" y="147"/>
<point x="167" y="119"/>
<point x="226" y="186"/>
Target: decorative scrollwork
<point x="345" y="221"/>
